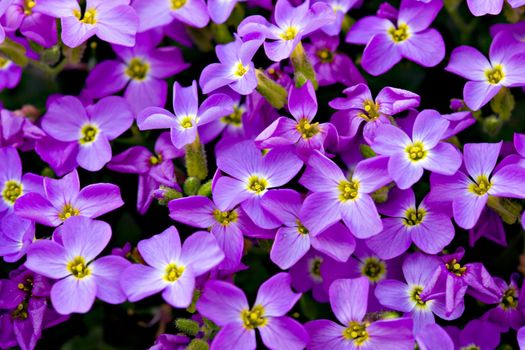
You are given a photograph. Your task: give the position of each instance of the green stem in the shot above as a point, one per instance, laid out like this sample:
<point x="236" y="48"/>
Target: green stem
<point x="196" y="164"/>
<point x="273" y="92"/>
<point x="303" y="70"/>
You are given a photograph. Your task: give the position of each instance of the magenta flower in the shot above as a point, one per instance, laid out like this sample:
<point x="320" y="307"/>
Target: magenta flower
<point x="157" y="13"/>
<point x="340" y="8"/>
<point x="16" y="235"/>
<point x="337" y="197"/>
<point x="172" y="269"/>
<point x="293" y="239"/>
<point x="505" y="67"/>
<point x="291" y="25"/>
<point x="409" y="37"/>
<point x="154" y="169"/>
<point x="359" y="106"/>
<point x="510" y="309"/>
<point x="13" y="184"/>
<point x="220" y="10"/>
<point x="302" y="133"/>
<point x="307" y="274"/>
<point x="235" y="69"/>
<point x="251" y="176"/>
<point x="141" y="70"/>
<point x="227" y="306"/>
<point x="348" y="299"/>
<point x="10" y="73"/>
<point x="483" y="334"/>
<point x="330" y="65"/>
<point x="17" y="131"/>
<point x="410" y="156"/>
<point x="70" y="258"/>
<point x="28" y="17"/>
<point x="3" y="8"/>
<point x="228" y="226"/>
<point x="469" y="190"/>
<point x="412" y="297"/>
<point x="87" y="129"/>
<point x="426" y="224"/>
<point x="63" y="199"/>
<point x="188" y="115"/>
<point x="490" y="7"/>
<point x="115" y="22"/>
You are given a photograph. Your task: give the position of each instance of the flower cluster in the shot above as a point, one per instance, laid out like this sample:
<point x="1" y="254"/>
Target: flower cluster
<point x="298" y="191"/>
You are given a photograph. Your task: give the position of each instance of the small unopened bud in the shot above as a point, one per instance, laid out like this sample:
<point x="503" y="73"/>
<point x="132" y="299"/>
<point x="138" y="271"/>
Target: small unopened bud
<point x="165" y="194"/>
<point x="198" y="344"/>
<point x="303" y="69"/>
<point x="205" y="189"/>
<point x="367" y="151"/>
<point x="273" y="92"/>
<point x="381" y="195"/>
<point x="492" y="125"/>
<point x="508" y="210"/>
<point x="191" y="186"/>
<point x="187" y="326"/>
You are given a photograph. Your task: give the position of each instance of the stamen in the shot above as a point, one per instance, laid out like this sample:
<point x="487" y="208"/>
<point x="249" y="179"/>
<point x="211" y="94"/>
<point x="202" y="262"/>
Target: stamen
<point x="78" y="267"/>
<point x="495" y="75"/>
<point x="416" y="151"/>
<point x="173" y="272"/>
<point x="137" y="69"/>
<point x="400" y="33"/>
<point x="306" y="129"/>
<point x="12" y="190"/>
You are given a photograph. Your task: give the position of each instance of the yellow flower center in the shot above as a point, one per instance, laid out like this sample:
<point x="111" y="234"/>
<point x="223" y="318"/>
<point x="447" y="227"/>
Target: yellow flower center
<point x="253" y="318"/>
<point x="21" y="310"/>
<point x="90" y="16"/>
<point x="510" y="299"/>
<point x="495" y="75"/>
<point x="471" y="347"/>
<point x="12" y="190"/>
<point x="301" y="229"/>
<point x="68" y="211"/>
<point x="28" y="6"/>
<point x="481" y="186"/>
<point x="325" y="55"/>
<point x="78" y="267"/>
<point x="239" y="70"/>
<point x="414" y="217"/>
<point x="456" y="268"/>
<point x="155" y="159"/>
<point x="416" y="151"/>
<point x="257" y="184"/>
<point x="289" y="33"/>
<point x="88" y="134"/>
<point x="225" y="217"/>
<point x="400" y="33"/>
<point x="235" y="117"/>
<point x="173" y="272"/>
<point x="177" y="4"/>
<point x="356" y="332"/>
<point x="415" y="296"/>
<point x="348" y="190"/>
<point x="315" y="268"/>
<point x="187" y="121"/>
<point x="137" y="69"/>
<point x="306" y="129"/>
<point x="3" y="62"/>
<point x="371" y="110"/>
<point x="374" y="269"/>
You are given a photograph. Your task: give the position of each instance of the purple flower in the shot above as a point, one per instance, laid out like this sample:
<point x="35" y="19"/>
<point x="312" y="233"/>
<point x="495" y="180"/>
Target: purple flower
<point x="348" y="299"/>
<point x="433" y="337"/>
<point x="425" y="224"/>
<point x="10" y="73"/>
<point x="387" y="43"/>
<point x="70" y="258"/>
<point x="510" y="311"/>
<point x="491" y="7"/>
<point x="291" y="24"/>
<point x="409" y="156"/>
<point x="251" y="176"/>
<point x="340" y="8"/>
<point x="293" y="239"/>
<point x="227" y="306"/>
<point x="18" y="131"/>
<point x="359" y="106"/>
<point x="154" y="169"/>
<point x="188" y="115"/>
<point x="477" y="333"/>
<point x="16" y="235"/>
<point x="468" y="190"/>
<point x="86" y="131"/>
<point x="172" y="269"/>
<point x="115" y="22"/>
<point x="141" y="70"/>
<point x="63" y="199"/>
<point x="235" y="69"/>
<point x="505" y="68"/>
<point x="490" y="226"/>
<point x="227" y="226"/>
<point x="412" y="297"/>
<point x="337" y="197"/>
<point x="157" y="13"/>
<point x="28" y="17"/>
<point x="302" y="133"/>
<point x="330" y="65"/>
<point x="13" y="184"/>
<point x="307" y="274"/>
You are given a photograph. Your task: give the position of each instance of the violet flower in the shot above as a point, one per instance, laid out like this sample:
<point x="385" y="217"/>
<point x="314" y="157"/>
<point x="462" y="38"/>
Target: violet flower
<point x="87" y="130"/>
<point x="340" y="8"/>
<point x="348" y="299"/>
<point x="505" y="68"/>
<point x="408" y="156"/>
<point x="172" y="269"/>
<point x="227" y="306"/>
<point x="307" y="274"/>
<point x="62" y="199"/>
<point x="10" y="73"/>
<point x="490" y="7"/>
<point x="157" y="13"/>
<point x="291" y="25"/>
<point x="28" y="17"/>
<point x="115" y="22"/>
<point x="70" y="259"/>
<point x="188" y="115"/>
<point x="477" y="333"/>
<point x="409" y="37"/>
<point x="16" y="235"/>
<point x="141" y="70"/>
